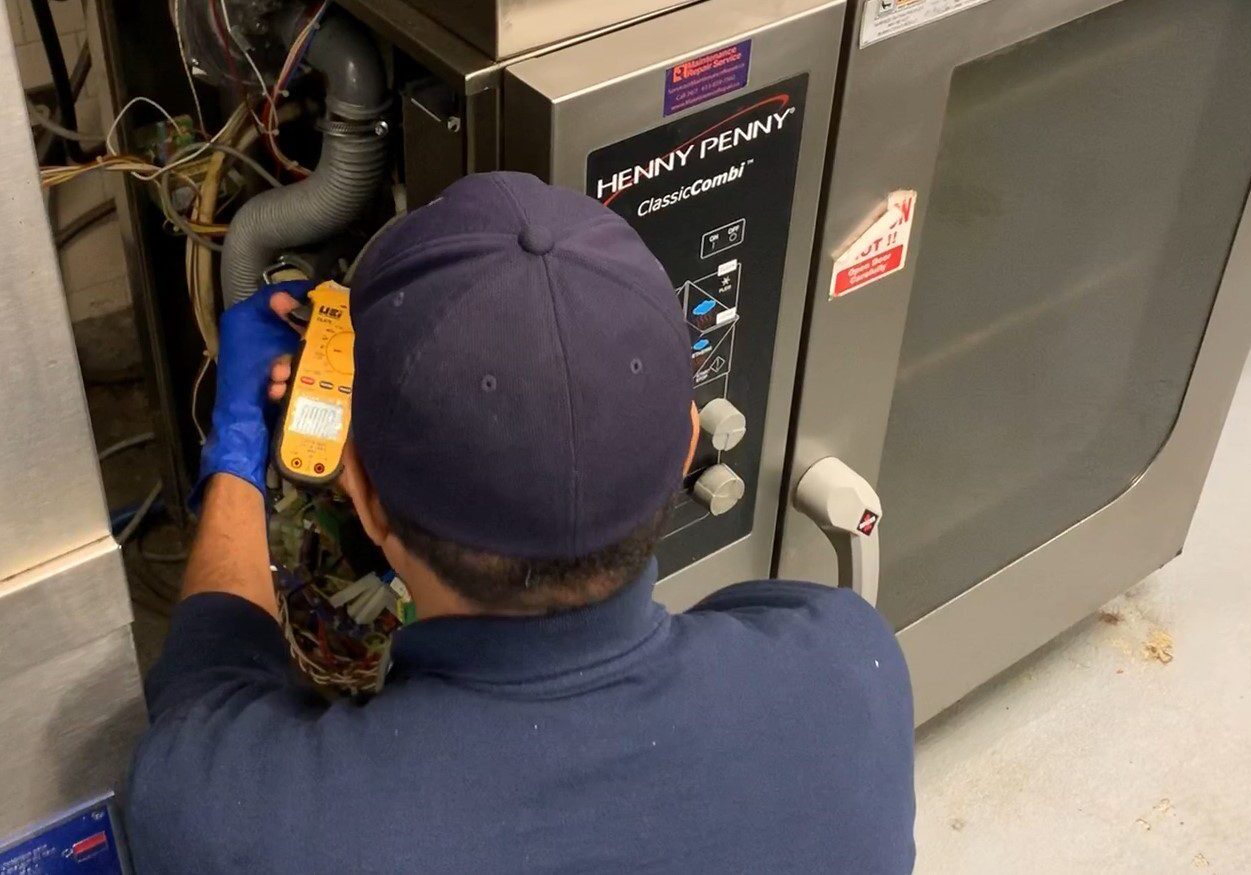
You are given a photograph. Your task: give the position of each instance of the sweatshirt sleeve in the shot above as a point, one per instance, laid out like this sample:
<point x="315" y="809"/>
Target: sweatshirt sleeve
<point x="231" y="738"/>
<point x="211" y="636"/>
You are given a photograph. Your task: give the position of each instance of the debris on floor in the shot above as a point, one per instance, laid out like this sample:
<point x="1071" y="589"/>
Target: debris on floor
<point x="1159" y="646"/>
<point x="1156" y="816"/>
<point x="1137" y="760"/>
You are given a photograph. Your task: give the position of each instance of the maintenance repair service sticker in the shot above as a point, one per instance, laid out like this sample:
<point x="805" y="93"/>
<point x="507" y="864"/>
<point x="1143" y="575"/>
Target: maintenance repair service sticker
<point x="880" y="251"/>
<point x="884" y="19"/>
<point x="699" y="80"/>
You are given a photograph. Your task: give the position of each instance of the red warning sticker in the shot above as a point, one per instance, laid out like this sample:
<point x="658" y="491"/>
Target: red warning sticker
<point x="868" y="523"/>
<point x="880" y="251"/>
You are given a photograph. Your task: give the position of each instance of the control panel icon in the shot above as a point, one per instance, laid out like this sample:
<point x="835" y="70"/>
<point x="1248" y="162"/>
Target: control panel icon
<point x="722" y="239"/>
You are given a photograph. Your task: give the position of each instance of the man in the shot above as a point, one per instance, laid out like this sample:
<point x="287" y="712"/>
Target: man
<point x="521" y="418"/>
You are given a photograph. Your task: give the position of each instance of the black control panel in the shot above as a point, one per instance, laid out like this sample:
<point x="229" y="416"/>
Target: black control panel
<point x="711" y="194"/>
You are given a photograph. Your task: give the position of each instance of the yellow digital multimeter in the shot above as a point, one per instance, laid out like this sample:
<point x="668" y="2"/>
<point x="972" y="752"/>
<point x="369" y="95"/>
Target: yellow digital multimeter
<point x="308" y="449"/>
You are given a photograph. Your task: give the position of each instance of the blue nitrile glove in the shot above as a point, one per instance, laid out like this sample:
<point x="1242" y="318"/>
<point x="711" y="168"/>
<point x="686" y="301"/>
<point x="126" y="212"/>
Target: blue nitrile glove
<point x="252" y="337"/>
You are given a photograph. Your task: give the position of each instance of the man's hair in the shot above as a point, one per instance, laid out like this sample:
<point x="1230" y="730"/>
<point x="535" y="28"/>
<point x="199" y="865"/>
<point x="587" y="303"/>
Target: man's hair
<point x="503" y="582"/>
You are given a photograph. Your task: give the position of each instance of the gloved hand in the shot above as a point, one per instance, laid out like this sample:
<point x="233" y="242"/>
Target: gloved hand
<point x="252" y="337"/>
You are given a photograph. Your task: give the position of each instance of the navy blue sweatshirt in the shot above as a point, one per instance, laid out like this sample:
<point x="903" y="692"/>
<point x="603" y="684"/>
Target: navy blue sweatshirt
<point x="768" y="730"/>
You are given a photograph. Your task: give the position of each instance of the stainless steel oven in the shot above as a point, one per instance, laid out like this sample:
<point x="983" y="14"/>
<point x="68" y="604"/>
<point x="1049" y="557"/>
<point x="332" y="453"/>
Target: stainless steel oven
<point x="967" y="290"/>
<point x="725" y="191"/>
<point x="705" y="124"/>
<point x="1030" y="305"/>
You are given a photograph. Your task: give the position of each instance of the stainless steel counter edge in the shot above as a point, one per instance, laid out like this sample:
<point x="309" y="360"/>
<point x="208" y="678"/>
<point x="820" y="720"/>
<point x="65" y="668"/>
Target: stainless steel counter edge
<point x="69" y="726"/>
<point x="453" y="59"/>
<point x="53" y="501"/>
<point x="61" y="605"/>
<point x="508" y="28"/>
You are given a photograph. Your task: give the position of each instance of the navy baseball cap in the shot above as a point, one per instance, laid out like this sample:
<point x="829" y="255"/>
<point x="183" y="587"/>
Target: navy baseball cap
<point x="523" y="377"/>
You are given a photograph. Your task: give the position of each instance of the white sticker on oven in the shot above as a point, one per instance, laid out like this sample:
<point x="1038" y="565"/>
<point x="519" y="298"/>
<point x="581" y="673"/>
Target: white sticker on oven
<point x="880" y="251"/>
<point x="884" y="19"/>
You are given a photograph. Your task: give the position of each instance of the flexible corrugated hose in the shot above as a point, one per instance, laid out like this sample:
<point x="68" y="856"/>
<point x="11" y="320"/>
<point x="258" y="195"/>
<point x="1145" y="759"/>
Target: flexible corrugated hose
<point x="349" y="175"/>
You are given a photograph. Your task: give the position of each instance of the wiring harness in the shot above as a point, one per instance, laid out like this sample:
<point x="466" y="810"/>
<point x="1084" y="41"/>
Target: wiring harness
<point x="338" y="604"/>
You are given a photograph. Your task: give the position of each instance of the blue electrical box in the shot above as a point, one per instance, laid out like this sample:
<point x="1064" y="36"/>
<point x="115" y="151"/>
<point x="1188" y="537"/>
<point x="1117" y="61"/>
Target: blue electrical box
<point x="83" y="841"/>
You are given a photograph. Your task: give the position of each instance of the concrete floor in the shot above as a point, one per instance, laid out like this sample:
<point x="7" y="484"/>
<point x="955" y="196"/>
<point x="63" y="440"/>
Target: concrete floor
<point x="1125" y="745"/>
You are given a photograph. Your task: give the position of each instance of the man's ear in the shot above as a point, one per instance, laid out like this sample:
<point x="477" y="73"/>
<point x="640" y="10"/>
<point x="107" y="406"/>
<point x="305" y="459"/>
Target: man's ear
<point x="355" y="482"/>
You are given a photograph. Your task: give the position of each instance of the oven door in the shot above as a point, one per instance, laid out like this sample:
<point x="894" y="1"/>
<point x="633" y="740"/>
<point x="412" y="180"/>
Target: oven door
<point x="1031" y="359"/>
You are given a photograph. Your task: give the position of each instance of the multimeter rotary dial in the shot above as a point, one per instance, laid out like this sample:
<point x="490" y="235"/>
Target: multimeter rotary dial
<point x="338" y="352"/>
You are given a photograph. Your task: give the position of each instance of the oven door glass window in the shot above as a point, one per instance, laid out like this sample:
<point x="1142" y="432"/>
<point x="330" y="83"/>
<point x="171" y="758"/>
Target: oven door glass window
<point x="1088" y="188"/>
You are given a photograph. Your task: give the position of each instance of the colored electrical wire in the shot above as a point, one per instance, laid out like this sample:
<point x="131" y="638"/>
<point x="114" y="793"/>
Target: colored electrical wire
<point x="199" y="231"/>
<point x="195" y="396"/>
<point x="299" y="49"/>
<point x="134" y="101"/>
<point x="254" y="165"/>
<point x="243" y="49"/>
<point x="129" y="443"/>
<point x="137" y="520"/>
<point x="295" y="57"/>
<point x="78" y="78"/>
<point x="201" y="277"/>
<point x="41" y="117"/>
<point x="141" y="168"/>
<point x="59" y="174"/>
<point x="79" y="224"/>
<point x="179" y="221"/>
<point x="61" y="83"/>
<point x="186" y="66"/>
<point x="231" y="68"/>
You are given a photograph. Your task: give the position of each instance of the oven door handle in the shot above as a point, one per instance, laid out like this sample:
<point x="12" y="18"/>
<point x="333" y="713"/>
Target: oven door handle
<point x="848" y="510"/>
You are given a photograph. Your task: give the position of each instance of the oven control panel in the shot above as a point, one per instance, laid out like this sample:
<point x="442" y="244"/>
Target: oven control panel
<point x="711" y="194"/>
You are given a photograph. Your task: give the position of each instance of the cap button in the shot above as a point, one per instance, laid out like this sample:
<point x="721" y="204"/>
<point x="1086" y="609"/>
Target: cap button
<point x="536" y="240"/>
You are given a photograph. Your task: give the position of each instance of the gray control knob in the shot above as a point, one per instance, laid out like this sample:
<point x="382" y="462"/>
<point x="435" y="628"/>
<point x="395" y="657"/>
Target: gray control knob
<point x="719" y="489"/>
<point x="724" y="423"/>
